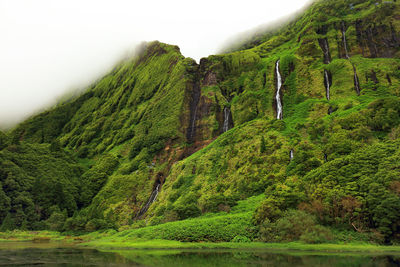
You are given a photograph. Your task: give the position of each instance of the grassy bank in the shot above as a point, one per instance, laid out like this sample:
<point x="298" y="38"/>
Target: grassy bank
<point x="35" y="236"/>
<point x="105" y="241"/>
<point x="168" y="244"/>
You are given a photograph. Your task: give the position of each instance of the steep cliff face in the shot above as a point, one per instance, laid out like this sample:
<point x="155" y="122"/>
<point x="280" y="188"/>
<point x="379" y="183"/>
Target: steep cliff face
<point x="377" y="40"/>
<point x="181" y="138"/>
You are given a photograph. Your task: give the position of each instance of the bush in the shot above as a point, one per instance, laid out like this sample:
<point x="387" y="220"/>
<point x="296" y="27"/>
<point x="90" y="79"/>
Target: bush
<point x="8" y="224"/>
<point x="290" y="227"/>
<point x="241" y="239"/>
<point x="187" y="211"/>
<point x="3" y="140"/>
<point x="316" y="235"/>
<point x="56" y="220"/>
<point x="96" y="224"/>
<point x="219" y="228"/>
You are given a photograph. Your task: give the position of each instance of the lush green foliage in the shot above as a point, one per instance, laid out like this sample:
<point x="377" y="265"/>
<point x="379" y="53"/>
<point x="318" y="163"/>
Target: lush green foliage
<point x="34" y="179"/>
<point x="154" y="126"/>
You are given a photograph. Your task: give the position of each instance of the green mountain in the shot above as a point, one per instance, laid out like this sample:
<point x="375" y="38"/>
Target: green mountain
<point x="291" y="135"/>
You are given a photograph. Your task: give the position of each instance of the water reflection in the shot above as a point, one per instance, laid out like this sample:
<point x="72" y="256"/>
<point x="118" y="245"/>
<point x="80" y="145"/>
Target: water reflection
<point x="61" y="254"/>
<point x="205" y="258"/>
<point x="18" y="255"/>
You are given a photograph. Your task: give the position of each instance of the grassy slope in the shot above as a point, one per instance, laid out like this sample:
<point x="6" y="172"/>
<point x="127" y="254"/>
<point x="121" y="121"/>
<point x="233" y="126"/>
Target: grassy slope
<point x="233" y="168"/>
<point x="136" y="111"/>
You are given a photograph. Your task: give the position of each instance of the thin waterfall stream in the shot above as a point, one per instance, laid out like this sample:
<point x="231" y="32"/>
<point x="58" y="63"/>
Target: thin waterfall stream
<point x="327" y="85"/>
<point x="152" y="198"/>
<point x="196" y="94"/>
<point x="326" y="51"/>
<point x="356" y="79"/>
<point x="279" y="108"/>
<point x="227" y="113"/>
<point x="193" y="123"/>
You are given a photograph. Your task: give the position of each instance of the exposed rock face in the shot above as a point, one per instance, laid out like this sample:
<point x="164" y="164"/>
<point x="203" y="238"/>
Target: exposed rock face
<point x="324" y="44"/>
<point x="195" y="98"/>
<point x="206" y="108"/>
<point x="372" y="76"/>
<point x="377" y="40"/>
<point x="210" y="79"/>
<point x="388" y="79"/>
<point x="356" y="81"/>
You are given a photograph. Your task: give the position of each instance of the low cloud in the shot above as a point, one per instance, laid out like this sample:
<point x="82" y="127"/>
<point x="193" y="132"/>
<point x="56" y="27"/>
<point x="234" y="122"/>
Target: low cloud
<point x="49" y="48"/>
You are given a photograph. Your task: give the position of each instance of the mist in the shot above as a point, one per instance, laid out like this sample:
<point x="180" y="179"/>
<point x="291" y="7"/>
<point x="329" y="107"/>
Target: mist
<point x="49" y="48"/>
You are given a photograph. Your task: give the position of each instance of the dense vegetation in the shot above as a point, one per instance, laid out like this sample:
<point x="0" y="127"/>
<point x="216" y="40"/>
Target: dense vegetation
<point x="156" y="126"/>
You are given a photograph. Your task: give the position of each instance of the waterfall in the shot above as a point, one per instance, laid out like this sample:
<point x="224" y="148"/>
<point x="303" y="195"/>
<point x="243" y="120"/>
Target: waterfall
<point x="193" y="124"/>
<point x="152" y="198"/>
<point x="154" y="194"/>
<point x="323" y="43"/>
<point x="356" y="81"/>
<point x="279" y="111"/>
<point x="326" y="52"/>
<point x="327" y="84"/>
<point x="191" y="131"/>
<point x="227" y="113"/>
<point x="345" y="41"/>
<point x="291" y="154"/>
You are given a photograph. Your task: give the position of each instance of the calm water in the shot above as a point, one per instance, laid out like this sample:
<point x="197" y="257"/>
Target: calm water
<point x="53" y="254"/>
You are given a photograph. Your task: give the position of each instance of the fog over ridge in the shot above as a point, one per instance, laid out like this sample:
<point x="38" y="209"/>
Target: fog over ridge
<point x="49" y="48"/>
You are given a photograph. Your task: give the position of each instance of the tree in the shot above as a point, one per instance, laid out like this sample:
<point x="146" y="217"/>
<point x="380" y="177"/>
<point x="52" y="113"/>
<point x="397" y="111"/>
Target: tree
<point x="3" y="140"/>
<point x="57" y="220"/>
<point x="8" y="224"/>
<point x="4" y="203"/>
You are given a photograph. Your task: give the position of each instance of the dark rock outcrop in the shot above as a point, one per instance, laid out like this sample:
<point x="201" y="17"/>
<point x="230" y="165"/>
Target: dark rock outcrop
<point x="377" y="40"/>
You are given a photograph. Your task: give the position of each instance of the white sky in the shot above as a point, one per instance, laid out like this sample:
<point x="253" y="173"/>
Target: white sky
<point x="48" y="47"/>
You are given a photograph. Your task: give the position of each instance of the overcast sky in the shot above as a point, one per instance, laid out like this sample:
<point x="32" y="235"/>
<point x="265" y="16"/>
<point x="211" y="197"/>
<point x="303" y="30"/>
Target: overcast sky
<point x="48" y="47"/>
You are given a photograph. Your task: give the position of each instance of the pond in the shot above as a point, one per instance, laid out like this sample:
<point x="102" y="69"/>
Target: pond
<point x="61" y="254"/>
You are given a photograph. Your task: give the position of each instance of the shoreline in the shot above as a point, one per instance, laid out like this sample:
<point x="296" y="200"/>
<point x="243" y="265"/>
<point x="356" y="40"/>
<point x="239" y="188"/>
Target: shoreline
<point x="108" y="243"/>
<point x="292" y="246"/>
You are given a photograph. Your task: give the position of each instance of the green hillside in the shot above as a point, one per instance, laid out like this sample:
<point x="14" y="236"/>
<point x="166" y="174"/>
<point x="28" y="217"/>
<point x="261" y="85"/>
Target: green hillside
<point x="164" y="147"/>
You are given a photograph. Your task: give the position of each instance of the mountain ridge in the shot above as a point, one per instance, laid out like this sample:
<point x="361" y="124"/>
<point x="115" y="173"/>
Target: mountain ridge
<point x="202" y="137"/>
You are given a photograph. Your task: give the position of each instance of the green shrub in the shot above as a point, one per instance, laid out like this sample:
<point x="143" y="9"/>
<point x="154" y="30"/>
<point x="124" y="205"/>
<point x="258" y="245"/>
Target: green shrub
<point x="8" y="224"/>
<point x="290" y="227"/>
<point x="4" y="140"/>
<point x="217" y="228"/>
<point x="316" y="235"/>
<point x="241" y="239"/>
<point x="56" y="220"/>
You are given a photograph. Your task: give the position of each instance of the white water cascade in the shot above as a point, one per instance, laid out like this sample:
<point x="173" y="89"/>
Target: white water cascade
<point x="328" y="85"/>
<point x="152" y="198"/>
<point x="279" y="108"/>
<point x="291" y="155"/>
<point x="227" y="113"/>
<point x="326" y="51"/>
<point x="155" y="193"/>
